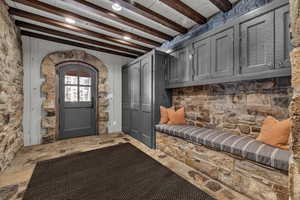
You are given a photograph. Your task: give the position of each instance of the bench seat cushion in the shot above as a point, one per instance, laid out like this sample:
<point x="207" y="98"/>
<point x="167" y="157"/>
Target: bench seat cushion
<point x="243" y="146"/>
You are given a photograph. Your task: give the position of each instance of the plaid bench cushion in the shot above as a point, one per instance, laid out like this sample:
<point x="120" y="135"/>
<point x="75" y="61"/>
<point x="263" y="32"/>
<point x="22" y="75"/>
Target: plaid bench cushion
<point x="243" y="146"/>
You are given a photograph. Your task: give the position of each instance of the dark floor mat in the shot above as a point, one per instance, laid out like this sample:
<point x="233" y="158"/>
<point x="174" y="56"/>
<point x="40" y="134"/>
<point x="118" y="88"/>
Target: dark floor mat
<point x="120" y="172"/>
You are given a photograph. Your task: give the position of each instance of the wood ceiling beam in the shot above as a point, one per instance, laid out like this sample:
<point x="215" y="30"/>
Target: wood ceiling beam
<point x="90" y="7"/>
<point x="74" y="37"/>
<point x="150" y="14"/>
<point x="223" y="5"/>
<point x="64" y="13"/>
<point x="52" y="22"/>
<point x="185" y="10"/>
<point x="68" y="42"/>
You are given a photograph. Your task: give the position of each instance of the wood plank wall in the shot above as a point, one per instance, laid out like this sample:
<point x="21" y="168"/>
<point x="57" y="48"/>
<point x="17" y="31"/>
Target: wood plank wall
<point x="34" y="50"/>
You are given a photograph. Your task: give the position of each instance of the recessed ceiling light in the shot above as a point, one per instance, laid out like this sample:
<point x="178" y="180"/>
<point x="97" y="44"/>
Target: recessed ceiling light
<point x="126" y="38"/>
<point x="70" y="20"/>
<point x="116" y="7"/>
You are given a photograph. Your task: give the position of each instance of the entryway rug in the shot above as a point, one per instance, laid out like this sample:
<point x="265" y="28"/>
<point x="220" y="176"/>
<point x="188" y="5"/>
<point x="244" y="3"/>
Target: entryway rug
<point x="120" y="172"/>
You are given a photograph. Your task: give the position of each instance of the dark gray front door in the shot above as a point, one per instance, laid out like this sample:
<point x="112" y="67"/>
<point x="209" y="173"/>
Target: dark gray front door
<point x="77" y="98"/>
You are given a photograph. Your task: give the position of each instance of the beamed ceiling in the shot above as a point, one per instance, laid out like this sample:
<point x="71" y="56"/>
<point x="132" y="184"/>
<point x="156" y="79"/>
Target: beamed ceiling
<point x="138" y="27"/>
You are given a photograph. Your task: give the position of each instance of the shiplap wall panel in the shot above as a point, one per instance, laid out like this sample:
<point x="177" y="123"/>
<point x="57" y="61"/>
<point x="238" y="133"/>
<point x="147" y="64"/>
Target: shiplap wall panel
<point x="34" y="50"/>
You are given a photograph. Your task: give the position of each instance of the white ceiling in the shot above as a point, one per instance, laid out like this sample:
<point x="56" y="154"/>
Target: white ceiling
<point x="204" y="7"/>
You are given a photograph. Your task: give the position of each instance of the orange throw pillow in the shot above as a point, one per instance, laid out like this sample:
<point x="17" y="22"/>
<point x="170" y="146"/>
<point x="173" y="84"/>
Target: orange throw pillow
<point x="176" y="117"/>
<point x="275" y="133"/>
<point x="164" y="114"/>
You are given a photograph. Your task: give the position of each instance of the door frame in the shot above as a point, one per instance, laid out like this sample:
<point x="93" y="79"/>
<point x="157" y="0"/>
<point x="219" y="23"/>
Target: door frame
<point x="57" y="94"/>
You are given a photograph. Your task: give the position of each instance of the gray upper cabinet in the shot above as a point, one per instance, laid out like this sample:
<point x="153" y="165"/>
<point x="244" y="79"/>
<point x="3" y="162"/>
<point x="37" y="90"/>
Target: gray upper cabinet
<point x="180" y="68"/>
<point x="222" y="54"/>
<point x="282" y="38"/>
<point x="257" y="44"/>
<point x="202" y="59"/>
<point x="184" y="64"/>
<point x="173" y="71"/>
<point x="253" y="46"/>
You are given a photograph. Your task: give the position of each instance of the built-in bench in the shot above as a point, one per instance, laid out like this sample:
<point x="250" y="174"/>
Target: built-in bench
<point x="243" y="146"/>
<point x="240" y="162"/>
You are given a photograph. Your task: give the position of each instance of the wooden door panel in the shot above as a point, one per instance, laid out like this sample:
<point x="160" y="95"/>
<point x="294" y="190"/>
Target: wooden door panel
<point x="173" y="73"/>
<point x="77" y="94"/>
<point x="282" y="38"/>
<point x="184" y="67"/>
<point x="135" y="79"/>
<point x="202" y="59"/>
<point x="222" y="53"/>
<point x="135" y="124"/>
<point x="180" y="69"/>
<point x="257" y="44"/>
<point x="146" y="99"/>
<point x="146" y="84"/>
<point x="147" y="133"/>
<point x="126" y="100"/>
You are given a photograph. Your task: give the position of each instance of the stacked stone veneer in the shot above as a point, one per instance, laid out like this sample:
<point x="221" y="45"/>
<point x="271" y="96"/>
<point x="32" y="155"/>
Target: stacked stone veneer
<point x="295" y="105"/>
<point x="49" y="66"/>
<point x="11" y="89"/>
<point x="238" y="108"/>
<point x="248" y="178"/>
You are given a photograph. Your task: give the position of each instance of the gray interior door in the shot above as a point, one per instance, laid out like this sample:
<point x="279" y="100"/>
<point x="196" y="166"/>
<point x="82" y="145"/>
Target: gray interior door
<point x="135" y="94"/>
<point x="146" y="100"/>
<point x="126" y="100"/>
<point x="77" y="98"/>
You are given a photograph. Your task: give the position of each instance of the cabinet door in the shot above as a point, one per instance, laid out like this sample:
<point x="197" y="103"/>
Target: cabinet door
<point x="146" y="101"/>
<point x="222" y="54"/>
<point x="146" y="84"/>
<point x="135" y="85"/>
<point x="184" y="64"/>
<point x="282" y="38"/>
<point x="180" y="66"/>
<point x="257" y="44"/>
<point x="173" y="73"/>
<point x="135" y="119"/>
<point x="202" y="59"/>
<point x="125" y="100"/>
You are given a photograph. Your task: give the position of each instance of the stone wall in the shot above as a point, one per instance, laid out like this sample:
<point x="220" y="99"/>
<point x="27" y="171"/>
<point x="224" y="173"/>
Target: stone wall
<point x="238" y="107"/>
<point x="295" y="104"/>
<point x="50" y="65"/>
<point x="11" y="89"/>
<point x="249" y="178"/>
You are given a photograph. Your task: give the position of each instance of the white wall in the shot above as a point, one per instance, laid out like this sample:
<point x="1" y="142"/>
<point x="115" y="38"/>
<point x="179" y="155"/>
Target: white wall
<point x="34" y="50"/>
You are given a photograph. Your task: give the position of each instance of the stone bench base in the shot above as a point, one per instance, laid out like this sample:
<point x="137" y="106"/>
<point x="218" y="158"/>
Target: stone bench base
<point x="253" y="180"/>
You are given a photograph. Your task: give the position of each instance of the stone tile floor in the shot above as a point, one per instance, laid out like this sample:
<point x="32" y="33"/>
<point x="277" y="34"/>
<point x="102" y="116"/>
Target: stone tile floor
<point x="14" y="180"/>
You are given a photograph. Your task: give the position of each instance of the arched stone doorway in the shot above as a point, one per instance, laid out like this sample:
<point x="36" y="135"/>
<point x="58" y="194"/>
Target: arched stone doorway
<point x="49" y="67"/>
